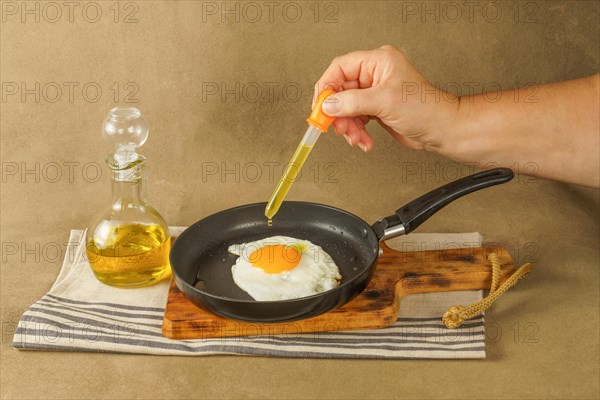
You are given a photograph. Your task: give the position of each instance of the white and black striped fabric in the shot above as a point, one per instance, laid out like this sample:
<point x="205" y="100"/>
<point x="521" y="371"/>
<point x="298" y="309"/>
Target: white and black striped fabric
<point x="81" y="314"/>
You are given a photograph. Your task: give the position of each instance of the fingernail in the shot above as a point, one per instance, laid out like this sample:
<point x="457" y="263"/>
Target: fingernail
<point x="348" y="139"/>
<point x="331" y="106"/>
<point x="363" y="147"/>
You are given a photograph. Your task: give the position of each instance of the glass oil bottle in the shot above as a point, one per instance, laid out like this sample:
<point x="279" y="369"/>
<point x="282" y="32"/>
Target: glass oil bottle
<point x="129" y="244"/>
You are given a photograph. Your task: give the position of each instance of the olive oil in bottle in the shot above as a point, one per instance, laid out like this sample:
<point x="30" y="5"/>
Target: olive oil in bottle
<point x="129" y="244"/>
<point x="132" y="255"/>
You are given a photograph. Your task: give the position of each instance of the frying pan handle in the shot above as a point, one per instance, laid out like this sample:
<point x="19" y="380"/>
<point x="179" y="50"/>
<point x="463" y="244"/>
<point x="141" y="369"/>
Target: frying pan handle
<point x="413" y="214"/>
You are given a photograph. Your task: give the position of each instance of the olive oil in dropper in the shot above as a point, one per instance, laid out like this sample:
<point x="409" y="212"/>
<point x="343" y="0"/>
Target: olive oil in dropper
<point x="317" y="122"/>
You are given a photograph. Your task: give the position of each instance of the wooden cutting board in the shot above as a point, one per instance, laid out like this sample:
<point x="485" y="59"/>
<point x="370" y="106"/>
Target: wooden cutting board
<point x="397" y="274"/>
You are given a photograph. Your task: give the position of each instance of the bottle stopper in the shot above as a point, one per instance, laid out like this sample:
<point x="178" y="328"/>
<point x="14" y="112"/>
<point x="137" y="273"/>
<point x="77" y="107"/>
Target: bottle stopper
<point x="126" y="130"/>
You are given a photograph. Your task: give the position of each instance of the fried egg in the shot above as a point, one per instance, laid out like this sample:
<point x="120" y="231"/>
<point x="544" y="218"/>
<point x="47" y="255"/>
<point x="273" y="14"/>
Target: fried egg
<point x="282" y="268"/>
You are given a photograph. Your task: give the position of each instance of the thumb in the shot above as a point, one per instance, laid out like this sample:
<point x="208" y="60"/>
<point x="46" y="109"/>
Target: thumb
<point x="353" y="102"/>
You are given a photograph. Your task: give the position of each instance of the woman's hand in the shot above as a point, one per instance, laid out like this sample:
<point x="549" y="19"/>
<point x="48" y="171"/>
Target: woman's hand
<point x="381" y="84"/>
<point x="552" y="133"/>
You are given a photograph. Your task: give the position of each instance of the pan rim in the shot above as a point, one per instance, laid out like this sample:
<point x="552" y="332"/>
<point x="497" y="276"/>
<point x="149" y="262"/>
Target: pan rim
<point x="366" y="270"/>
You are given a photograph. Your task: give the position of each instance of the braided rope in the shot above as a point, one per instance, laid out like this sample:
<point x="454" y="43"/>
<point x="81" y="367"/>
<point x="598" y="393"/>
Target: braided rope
<point x="456" y="315"/>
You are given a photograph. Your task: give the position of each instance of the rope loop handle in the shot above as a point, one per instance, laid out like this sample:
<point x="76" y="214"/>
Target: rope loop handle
<point x="457" y="315"/>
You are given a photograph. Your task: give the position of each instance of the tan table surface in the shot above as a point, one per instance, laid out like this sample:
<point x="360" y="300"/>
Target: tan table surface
<point x="543" y="335"/>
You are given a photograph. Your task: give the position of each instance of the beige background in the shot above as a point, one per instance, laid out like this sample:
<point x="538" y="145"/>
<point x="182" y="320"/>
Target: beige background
<point x="543" y="334"/>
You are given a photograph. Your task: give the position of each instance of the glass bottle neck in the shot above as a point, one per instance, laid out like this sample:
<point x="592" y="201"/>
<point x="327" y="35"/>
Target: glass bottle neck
<point x="128" y="179"/>
<point x="129" y="192"/>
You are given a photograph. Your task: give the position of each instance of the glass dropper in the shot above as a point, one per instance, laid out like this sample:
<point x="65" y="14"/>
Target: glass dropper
<point x="318" y="122"/>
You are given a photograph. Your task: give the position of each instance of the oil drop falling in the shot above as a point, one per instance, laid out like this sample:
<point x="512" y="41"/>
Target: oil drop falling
<point x="270" y="222"/>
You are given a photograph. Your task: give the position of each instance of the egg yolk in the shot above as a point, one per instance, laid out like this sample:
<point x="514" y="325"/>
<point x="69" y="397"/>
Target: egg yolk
<point x="275" y="259"/>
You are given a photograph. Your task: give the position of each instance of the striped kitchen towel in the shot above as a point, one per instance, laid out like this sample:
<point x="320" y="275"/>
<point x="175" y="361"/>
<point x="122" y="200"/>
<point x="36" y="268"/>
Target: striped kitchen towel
<point x="81" y="314"/>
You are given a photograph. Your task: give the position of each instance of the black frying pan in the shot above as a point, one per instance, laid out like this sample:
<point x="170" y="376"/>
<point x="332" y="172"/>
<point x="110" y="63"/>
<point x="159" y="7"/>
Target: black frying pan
<point x="202" y="266"/>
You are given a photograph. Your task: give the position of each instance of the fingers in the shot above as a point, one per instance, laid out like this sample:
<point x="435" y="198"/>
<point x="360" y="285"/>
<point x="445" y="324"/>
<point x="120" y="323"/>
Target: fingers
<point x="355" y="77"/>
<point x="352" y="76"/>
<point x="364" y="68"/>
<point x="354" y="131"/>
<point x="353" y="102"/>
<point x="356" y="66"/>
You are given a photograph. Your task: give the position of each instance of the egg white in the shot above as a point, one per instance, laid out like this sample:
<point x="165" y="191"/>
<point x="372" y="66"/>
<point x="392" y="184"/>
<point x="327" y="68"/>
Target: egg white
<point x="316" y="271"/>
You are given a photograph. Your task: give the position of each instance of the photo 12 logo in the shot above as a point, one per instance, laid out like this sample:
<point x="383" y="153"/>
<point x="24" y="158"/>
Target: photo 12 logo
<point x="253" y="92"/>
<point x="469" y="11"/>
<point x="68" y="92"/>
<point x="37" y="252"/>
<point x="50" y="172"/>
<point x="445" y="171"/>
<point x="270" y="11"/>
<point x="53" y="12"/>
<point x="450" y="92"/>
<point x="269" y="171"/>
<point x="70" y="332"/>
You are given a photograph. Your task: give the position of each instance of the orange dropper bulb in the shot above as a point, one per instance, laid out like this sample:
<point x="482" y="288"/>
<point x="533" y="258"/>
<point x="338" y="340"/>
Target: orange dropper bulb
<point x="318" y="118"/>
